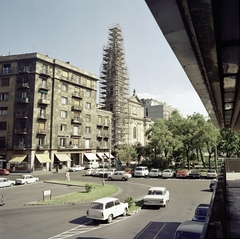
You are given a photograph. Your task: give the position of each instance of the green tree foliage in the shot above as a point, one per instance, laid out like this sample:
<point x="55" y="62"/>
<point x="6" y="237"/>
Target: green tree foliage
<point x="127" y="153"/>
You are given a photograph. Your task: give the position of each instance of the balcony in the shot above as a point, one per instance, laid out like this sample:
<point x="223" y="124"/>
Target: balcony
<point x="20" y="146"/>
<point x="42" y="131"/>
<point x="76" y="121"/>
<point x="100" y="135"/>
<point x="42" y="117"/>
<point x="106" y="135"/>
<point x="6" y="71"/>
<point x="45" y="73"/>
<point x="77" y="95"/>
<point x="76" y="108"/>
<point x="22" y="100"/>
<point x="42" y="146"/>
<point x="21" y="131"/>
<point x="106" y="125"/>
<point x="75" y="135"/>
<point x="24" y="70"/>
<point x="23" y="85"/>
<point x="44" y="87"/>
<point x="22" y="115"/>
<point x="44" y="101"/>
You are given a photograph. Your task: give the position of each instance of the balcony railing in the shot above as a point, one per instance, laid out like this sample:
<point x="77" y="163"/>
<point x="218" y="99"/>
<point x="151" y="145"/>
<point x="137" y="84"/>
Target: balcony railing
<point x="77" y="108"/>
<point x="21" y="131"/>
<point x="42" y="146"/>
<point x="6" y="70"/>
<point x="23" y="85"/>
<point x="44" y="87"/>
<point x="76" y="121"/>
<point x="41" y="116"/>
<point x="44" y="101"/>
<point x="77" y="95"/>
<point x="42" y="131"/>
<point x="22" y="100"/>
<point x="20" y="146"/>
<point x="21" y="115"/>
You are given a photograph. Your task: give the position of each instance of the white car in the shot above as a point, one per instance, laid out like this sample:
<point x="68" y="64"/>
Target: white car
<point x="211" y="173"/>
<point x="167" y="173"/>
<point x="120" y="175"/>
<point x="154" y="173"/>
<point x="157" y="196"/>
<point x="106" y="209"/>
<point x="26" y="179"/>
<point x="76" y="168"/>
<point x="4" y="182"/>
<point x="89" y="171"/>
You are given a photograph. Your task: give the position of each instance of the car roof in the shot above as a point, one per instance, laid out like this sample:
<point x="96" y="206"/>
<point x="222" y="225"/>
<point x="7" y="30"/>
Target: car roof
<point x="104" y="200"/>
<point x="191" y="226"/>
<point x="156" y="188"/>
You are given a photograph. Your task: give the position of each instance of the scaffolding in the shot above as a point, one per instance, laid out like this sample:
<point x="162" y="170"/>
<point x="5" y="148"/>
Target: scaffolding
<point x="114" y="85"/>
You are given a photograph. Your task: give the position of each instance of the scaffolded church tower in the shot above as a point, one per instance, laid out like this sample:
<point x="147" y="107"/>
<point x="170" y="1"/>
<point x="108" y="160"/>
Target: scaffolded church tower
<point x="114" y="85"/>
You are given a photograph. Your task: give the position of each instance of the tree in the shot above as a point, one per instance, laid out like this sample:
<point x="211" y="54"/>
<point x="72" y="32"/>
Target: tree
<point x="127" y="153"/>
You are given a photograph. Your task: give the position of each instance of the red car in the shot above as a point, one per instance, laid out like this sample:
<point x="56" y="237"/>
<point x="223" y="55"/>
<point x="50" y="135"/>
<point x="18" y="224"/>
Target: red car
<point x="4" y="172"/>
<point x="181" y="174"/>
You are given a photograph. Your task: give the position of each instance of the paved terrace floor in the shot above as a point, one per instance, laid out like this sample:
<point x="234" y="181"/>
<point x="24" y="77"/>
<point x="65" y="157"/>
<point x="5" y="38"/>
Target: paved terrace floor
<point x="233" y="205"/>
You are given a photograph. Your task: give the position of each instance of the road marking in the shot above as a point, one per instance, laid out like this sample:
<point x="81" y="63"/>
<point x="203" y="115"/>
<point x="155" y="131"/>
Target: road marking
<point x="86" y="227"/>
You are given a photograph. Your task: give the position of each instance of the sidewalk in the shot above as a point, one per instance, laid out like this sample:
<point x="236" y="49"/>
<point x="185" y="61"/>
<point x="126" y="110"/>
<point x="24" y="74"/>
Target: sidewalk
<point x="233" y="205"/>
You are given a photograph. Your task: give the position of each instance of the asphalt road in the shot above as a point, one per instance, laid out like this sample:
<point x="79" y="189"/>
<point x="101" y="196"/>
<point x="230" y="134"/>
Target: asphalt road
<point x="69" y="221"/>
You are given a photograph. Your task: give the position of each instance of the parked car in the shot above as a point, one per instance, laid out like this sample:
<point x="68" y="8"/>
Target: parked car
<point x="76" y="168"/>
<point x="201" y="212"/>
<point x="4" y="182"/>
<point x="26" y="179"/>
<point x="195" y="173"/>
<point x="107" y="172"/>
<point x="213" y="184"/>
<point x="157" y="196"/>
<point x="155" y="173"/>
<point x="96" y="172"/>
<point x="181" y="174"/>
<point x="211" y="173"/>
<point x="89" y="171"/>
<point x="4" y="171"/>
<point x="120" y="175"/>
<point x="167" y="173"/>
<point x="189" y="230"/>
<point x="141" y="171"/>
<point x="106" y="209"/>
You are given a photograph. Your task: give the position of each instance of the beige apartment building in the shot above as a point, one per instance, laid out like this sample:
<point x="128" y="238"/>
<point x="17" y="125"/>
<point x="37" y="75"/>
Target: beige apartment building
<point x="48" y="114"/>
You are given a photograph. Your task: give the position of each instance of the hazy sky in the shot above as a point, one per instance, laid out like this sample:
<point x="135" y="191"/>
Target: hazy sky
<point x="77" y="30"/>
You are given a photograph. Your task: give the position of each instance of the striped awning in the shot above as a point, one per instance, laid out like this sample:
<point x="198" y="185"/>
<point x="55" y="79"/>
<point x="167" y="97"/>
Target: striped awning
<point x="90" y="156"/>
<point x="63" y="157"/>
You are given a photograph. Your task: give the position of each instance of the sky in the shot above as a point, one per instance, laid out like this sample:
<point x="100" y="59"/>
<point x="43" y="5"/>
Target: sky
<point x="77" y="30"/>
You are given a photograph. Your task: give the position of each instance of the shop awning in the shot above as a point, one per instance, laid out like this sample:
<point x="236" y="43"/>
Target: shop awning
<point x="101" y="155"/>
<point x="17" y="158"/>
<point x="43" y="158"/>
<point x="63" y="157"/>
<point x="107" y="154"/>
<point x="91" y="156"/>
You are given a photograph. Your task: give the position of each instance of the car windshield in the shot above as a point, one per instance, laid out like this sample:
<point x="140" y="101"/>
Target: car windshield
<point x="211" y="171"/>
<point x="95" y="205"/>
<point x="154" y="170"/>
<point x="166" y="170"/>
<point x="201" y="212"/>
<point x="138" y="169"/>
<point x="187" y="235"/>
<point x="154" y="192"/>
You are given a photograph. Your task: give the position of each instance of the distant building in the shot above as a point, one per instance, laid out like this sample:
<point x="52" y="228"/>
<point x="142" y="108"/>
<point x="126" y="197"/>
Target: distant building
<point x="155" y="109"/>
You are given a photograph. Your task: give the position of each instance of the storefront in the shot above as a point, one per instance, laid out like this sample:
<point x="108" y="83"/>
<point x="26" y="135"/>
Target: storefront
<point x="42" y="162"/>
<point x="19" y="163"/>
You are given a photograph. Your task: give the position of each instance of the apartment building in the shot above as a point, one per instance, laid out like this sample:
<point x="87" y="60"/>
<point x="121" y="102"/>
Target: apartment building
<point x="48" y="114"/>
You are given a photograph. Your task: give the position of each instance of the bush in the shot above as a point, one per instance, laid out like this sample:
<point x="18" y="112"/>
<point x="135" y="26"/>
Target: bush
<point x="130" y="201"/>
<point x="88" y="188"/>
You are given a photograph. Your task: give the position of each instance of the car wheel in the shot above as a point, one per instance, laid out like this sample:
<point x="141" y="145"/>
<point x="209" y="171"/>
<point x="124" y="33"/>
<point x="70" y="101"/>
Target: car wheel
<point x="110" y="217"/>
<point x="124" y="179"/>
<point x="110" y="179"/>
<point x="11" y="185"/>
<point x="124" y="212"/>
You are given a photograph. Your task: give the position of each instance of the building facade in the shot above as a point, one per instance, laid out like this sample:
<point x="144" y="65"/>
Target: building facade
<point x="48" y="114"/>
<point x="156" y="110"/>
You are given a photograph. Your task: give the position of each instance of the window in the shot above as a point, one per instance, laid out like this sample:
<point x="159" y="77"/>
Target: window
<point x="87" y="143"/>
<point x="88" y="118"/>
<point x="64" y="87"/>
<point x="64" y="100"/>
<point x="109" y="205"/>
<point x="4" y="82"/>
<point x="147" y="112"/>
<point x="41" y="127"/>
<point x="43" y="96"/>
<point x="3" y="96"/>
<point x="42" y="112"/>
<point x="62" y="142"/>
<point x="99" y="120"/>
<point x="134" y="132"/>
<point x="65" y="75"/>
<point x="3" y="110"/>
<point x="76" y="116"/>
<point x="77" y="92"/>
<point x="111" y="107"/>
<point x="41" y="141"/>
<point x="88" y="93"/>
<point x="75" y="143"/>
<point x="24" y="94"/>
<point x="45" y="69"/>
<point x="88" y="130"/>
<point x="77" y="103"/>
<point x="63" y="114"/>
<point x="75" y="130"/>
<point x="6" y="68"/>
<point x="88" y="105"/>
<point x="77" y="79"/>
<point x="44" y="83"/>
<point x="111" y="91"/>
<point x="2" y="142"/>
<point x="3" y="125"/>
<point x="63" y="127"/>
